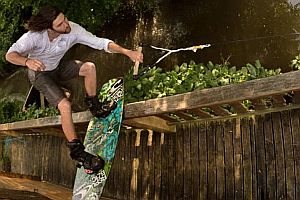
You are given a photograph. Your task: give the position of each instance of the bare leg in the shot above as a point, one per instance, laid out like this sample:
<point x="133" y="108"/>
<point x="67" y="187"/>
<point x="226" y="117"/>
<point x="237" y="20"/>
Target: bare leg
<point x="64" y="107"/>
<point x="88" y="71"/>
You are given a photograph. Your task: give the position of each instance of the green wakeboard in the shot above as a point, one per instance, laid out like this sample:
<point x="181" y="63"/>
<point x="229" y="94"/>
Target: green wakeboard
<point x="101" y="139"/>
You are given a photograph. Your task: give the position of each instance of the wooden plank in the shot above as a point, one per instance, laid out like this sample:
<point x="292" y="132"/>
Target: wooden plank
<point x="238" y="162"/>
<point x="279" y="151"/>
<point x="220" y="161"/>
<point x="145" y="167"/>
<point x="171" y="165"/>
<point x="289" y="155"/>
<point x="200" y="113"/>
<point x="152" y="122"/>
<point x="179" y="163"/>
<point x="134" y="166"/>
<point x="195" y="169"/>
<point x="187" y="176"/>
<point x="152" y="163"/>
<point x="296" y="145"/>
<point x="247" y="162"/>
<point x="211" y="161"/>
<point x="164" y="167"/>
<point x="183" y="115"/>
<point x="157" y="166"/>
<point x="218" y="111"/>
<point x="167" y="118"/>
<point x="139" y="155"/>
<point x="216" y="96"/>
<point x="238" y="107"/>
<point x="270" y="158"/>
<point x="229" y="163"/>
<point x="258" y="104"/>
<point x="260" y="150"/>
<point x="253" y="158"/>
<point x="278" y="100"/>
<point x="128" y="145"/>
<point x="203" y="161"/>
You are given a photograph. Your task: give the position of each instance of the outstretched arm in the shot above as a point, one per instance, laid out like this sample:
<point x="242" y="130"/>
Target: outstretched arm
<point x="133" y="55"/>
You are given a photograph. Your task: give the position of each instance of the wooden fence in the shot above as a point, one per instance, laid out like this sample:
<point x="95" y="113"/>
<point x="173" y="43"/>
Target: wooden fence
<point x="250" y="158"/>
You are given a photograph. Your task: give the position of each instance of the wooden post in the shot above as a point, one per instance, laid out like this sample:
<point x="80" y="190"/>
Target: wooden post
<point x="136" y="65"/>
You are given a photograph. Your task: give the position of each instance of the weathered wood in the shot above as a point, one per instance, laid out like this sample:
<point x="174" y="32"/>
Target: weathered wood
<point x="187" y="162"/>
<point x="296" y="145"/>
<point x="203" y="161"/>
<point x="238" y="160"/>
<point x="200" y="113"/>
<point x="211" y="161"/>
<point x="288" y="155"/>
<point x="218" y="111"/>
<point x="279" y="150"/>
<point x="220" y="161"/>
<point x="179" y="163"/>
<point x="152" y="122"/>
<point x="247" y="162"/>
<point x="229" y="163"/>
<point x="183" y="115"/>
<point x="216" y="96"/>
<point x="278" y="100"/>
<point x="260" y="150"/>
<point x="270" y="157"/>
<point x="238" y="107"/>
<point x="194" y="157"/>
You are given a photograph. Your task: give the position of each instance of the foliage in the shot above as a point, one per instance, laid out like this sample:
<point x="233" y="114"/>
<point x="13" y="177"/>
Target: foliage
<point x="11" y="111"/>
<point x="189" y="77"/>
<point x="295" y="63"/>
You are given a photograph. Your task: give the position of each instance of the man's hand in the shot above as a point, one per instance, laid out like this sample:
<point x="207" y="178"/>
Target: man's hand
<point x="136" y="56"/>
<point x="35" y="65"/>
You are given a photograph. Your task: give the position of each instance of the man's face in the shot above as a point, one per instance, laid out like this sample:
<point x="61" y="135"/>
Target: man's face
<point x="61" y="24"/>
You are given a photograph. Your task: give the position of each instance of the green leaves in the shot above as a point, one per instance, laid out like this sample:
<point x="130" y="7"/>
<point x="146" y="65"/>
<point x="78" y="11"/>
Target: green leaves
<point x="11" y="111"/>
<point x="189" y="77"/>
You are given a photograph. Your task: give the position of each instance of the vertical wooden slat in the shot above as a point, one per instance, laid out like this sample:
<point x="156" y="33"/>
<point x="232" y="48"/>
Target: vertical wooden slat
<point x="203" y="161"/>
<point x="128" y="144"/>
<point x="220" y="162"/>
<point x="164" y="167"/>
<point x="134" y="166"/>
<point x="152" y="163"/>
<point x="238" y="162"/>
<point x="270" y="158"/>
<point x="157" y="166"/>
<point x="289" y="155"/>
<point x="296" y="145"/>
<point x="179" y="163"/>
<point x="260" y="150"/>
<point x="195" y="161"/>
<point x="187" y="162"/>
<point x="247" y="162"/>
<point x="145" y="167"/>
<point x="253" y="158"/>
<point x="279" y="151"/>
<point x="229" y="173"/>
<point x="211" y="147"/>
<point x="171" y="165"/>
<point x="140" y="167"/>
<point x="120" y="161"/>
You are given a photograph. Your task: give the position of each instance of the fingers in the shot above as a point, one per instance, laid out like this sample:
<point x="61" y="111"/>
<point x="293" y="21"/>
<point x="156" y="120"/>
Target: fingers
<point x="137" y="56"/>
<point x="35" y="65"/>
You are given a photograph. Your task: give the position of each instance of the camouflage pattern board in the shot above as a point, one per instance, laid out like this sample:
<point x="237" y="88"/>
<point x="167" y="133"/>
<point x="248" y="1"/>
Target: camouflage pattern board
<point x="101" y="139"/>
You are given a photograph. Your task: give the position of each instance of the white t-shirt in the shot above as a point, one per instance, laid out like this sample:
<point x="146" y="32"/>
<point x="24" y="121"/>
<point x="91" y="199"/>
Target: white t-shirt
<point x="36" y="45"/>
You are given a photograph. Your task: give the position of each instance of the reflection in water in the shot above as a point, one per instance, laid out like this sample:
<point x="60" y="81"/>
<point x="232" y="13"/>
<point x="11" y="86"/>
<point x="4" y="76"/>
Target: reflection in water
<point x="243" y="31"/>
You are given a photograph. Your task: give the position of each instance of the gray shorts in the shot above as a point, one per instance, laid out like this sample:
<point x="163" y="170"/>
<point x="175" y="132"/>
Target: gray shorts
<point x="50" y="83"/>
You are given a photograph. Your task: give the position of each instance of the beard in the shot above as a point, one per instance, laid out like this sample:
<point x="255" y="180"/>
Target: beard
<point x="66" y="31"/>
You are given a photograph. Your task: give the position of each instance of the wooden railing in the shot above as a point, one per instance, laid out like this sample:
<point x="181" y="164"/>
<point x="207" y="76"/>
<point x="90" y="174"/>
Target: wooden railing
<point x="271" y="94"/>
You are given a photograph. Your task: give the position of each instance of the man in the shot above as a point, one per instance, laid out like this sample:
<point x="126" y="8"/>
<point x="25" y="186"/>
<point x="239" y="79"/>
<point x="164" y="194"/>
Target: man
<point x="49" y="37"/>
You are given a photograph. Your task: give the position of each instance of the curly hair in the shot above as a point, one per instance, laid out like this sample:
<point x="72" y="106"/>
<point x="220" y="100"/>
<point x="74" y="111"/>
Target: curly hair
<point x="43" y="19"/>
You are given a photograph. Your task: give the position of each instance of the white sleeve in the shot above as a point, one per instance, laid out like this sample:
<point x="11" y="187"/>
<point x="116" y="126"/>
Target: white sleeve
<point x="23" y="45"/>
<point x="87" y="38"/>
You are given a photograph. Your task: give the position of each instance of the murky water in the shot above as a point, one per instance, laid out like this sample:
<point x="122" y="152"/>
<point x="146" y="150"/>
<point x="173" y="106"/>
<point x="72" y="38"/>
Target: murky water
<point x="239" y="30"/>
